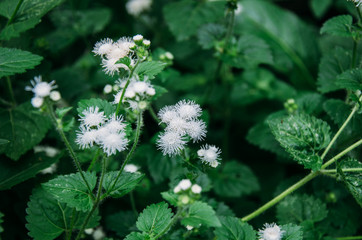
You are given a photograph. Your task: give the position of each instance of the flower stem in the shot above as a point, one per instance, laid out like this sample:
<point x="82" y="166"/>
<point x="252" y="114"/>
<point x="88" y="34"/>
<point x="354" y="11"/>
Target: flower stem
<point x="94" y="160"/>
<point x="67" y="144"/>
<point x="125" y="88"/>
<point x="10" y="87"/>
<point x="14" y="13"/>
<point x="343" y="170"/>
<point x="129" y="155"/>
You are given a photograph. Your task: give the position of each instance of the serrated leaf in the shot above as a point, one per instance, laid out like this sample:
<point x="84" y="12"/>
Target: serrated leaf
<point x="249" y="52"/>
<point x="185" y="17"/>
<point x="24" y="127"/>
<point x="137" y="236"/>
<point x="201" y="213"/>
<point x="7" y="7"/>
<point x="303" y="136"/>
<point x="14" y="30"/>
<point x="14" y="61"/>
<point x="350" y="79"/>
<point x="155" y="218"/>
<point x="47" y="218"/>
<point x="150" y="69"/>
<point x="292" y="232"/>
<point x="209" y="34"/>
<point x="170" y="197"/>
<point x="299" y="208"/>
<point x="103" y="105"/>
<point x="338" y="26"/>
<point x="61" y="112"/>
<point x="122" y="222"/>
<point x="310" y="103"/>
<point x="35" y="8"/>
<point x="14" y="173"/>
<point x="332" y="64"/>
<point x="72" y="190"/>
<point x="126" y="183"/>
<point x="352" y="180"/>
<point x="233" y="228"/>
<point x="235" y="180"/>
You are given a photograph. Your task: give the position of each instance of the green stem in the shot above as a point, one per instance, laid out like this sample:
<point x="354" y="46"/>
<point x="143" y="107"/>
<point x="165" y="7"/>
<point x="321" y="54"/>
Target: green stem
<point x="133" y="203"/>
<point x="104" y="167"/>
<point x="354" y="110"/>
<point x="153" y="114"/>
<point x="125" y="88"/>
<point x="172" y="222"/>
<point x="14" y="13"/>
<point x="299" y="184"/>
<point x="10" y="87"/>
<point x="343" y="170"/>
<point x="95" y="206"/>
<point x="354" y="54"/>
<point x="72" y="224"/>
<point x="230" y="27"/>
<point x="349" y="238"/>
<point x="94" y="160"/>
<point x="129" y="155"/>
<point x="67" y="144"/>
<point x="6" y="103"/>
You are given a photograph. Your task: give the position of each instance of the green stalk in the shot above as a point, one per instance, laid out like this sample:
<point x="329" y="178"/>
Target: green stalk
<point x="172" y="222"/>
<point x="125" y="88"/>
<point x="349" y="238"/>
<point x="14" y="13"/>
<point x="67" y="144"/>
<point x="343" y="170"/>
<point x="10" y="87"/>
<point x="94" y="160"/>
<point x="133" y="203"/>
<point x="129" y="155"/>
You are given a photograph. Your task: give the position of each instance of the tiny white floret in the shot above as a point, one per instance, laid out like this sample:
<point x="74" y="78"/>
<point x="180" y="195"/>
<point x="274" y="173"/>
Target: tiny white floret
<point x="107" y="89"/>
<point x="188" y="109"/>
<point x="185" y="184"/>
<point x="55" y="96"/>
<point x="114" y="142"/>
<point x="138" y="38"/>
<point x="131" y="168"/>
<point x="210" y="155"/>
<point x="103" y="47"/>
<point x="37" y="102"/>
<point x="196" y="189"/>
<point x="150" y="91"/>
<point x="92" y="117"/>
<point x="271" y="232"/>
<point x="189" y="228"/>
<point x="177" y="189"/>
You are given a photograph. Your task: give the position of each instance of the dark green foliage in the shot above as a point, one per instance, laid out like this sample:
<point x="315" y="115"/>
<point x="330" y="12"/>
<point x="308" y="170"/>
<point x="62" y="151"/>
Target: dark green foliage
<point x="352" y="180"/>
<point x="122" y="222"/>
<point x="292" y="232"/>
<point x="234" y="229"/>
<point x="201" y="213"/>
<point x="125" y="183"/>
<point x="339" y="26"/>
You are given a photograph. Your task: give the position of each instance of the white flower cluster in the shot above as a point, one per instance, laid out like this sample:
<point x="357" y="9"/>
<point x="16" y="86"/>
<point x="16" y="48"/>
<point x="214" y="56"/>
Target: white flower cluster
<point x="136" y="92"/>
<point x="135" y="7"/>
<point x="209" y="154"/>
<point x="111" y="52"/>
<point x="182" y="121"/>
<point x="271" y="232"/>
<point x="97" y="234"/>
<point x="96" y="128"/>
<point x="186" y="184"/>
<point x="42" y="90"/>
<point x="131" y="168"/>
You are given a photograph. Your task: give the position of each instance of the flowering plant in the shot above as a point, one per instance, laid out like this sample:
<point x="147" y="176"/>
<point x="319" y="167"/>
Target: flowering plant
<point x="217" y="120"/>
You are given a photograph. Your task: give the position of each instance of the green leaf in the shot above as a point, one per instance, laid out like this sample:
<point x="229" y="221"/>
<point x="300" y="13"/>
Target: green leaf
<point x="12" y="173"/>
<point x="4" y="141"/>
<point x="351" y="79"/>
<point x="35" y="8"/>
<point x="150" y="69"/>
<point x="24" y="127"/>
<point x="209" y="34"/>
<point x="61" y="112"/>
<point x="72" y="190"/>
<point x="292" y="232"/>
<point x="137" y="236"/>
<point x="332" y="64"/>
<point x="103" y="105"/>
<point x="320" y="7"/>
<point x="155" y="218"/>
<point x="185" y="17"/>
<point x="14" y="61"/>
<point x="47" y="218"/>
<point x="170" y="197"/>
<point x="249" y="52"/>
<point x="352" y="180"/>
<point x="126" y="183"/>
<point x="201" y="213"/>
<point x="14" y="30"/>
<point x="160" y="91"/>
<point x="233" y="228"/>
<point x="235" y="180"/>
<point x="7" y="7"/>
<point x="1" y="221"/>
<point x="303" y="136"/>
<point x="299" y="208"/>
<point x="122" y="222"/>
<point x="338" y="26"/>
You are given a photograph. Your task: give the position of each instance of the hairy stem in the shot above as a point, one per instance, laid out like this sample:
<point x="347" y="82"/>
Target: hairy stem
<point x="129" y="155"/>
<point x="67" y="144"/>
<point x="11" y="19"/>
<point x="343" y="170"/>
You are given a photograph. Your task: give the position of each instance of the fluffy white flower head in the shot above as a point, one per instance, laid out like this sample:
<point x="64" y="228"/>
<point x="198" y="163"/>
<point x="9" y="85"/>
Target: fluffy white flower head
<point x="114" y="142"/>
<point x="131" y="168"/>
<point x="92" y="117"/>
<point x="171" y="143"/>
<point x="40" y="88"/>
<point x="177" y="125"/>
<point x="103" y="47"/>
<point x="147" y="43"/>
<point x="86" y="137"/>
<point x="210" y="155"/>
<point x="135" y="7"/>
<point x="115" y="124"/>
<point x="37" y="102"/>
<point x="188" y="110"/>
<point x="196" y="189"/>
<point x="189" y="228"/>
<point x="185" y="184"/>
<point x="271" y="232"/>
<point x="196" y="130"/>
<point x="166" y="114"/>
<point x="110" y="66"/>
<point x="140" y="87"/>
<point x="150" y="91"/>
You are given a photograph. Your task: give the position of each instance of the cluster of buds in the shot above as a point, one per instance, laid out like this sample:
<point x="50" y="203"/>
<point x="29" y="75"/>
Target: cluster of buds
<point x="187" y="191"/>
<point x="41" y="91"/>
<point x="209" y="155"/>
<point x="290" y="106"/>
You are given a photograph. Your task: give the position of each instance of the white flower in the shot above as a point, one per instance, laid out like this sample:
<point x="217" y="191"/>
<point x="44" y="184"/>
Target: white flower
<point x="196" y="189"/>
<point x="110" y="66"/>
<point x="271" y="232"/>
<point x="239" y="9"/>
<point x="41" y="89"/>
<point x="185" y="184"/>
<point x="140" y="87"/>
<point x="138" y="38"/>
<point x="357" y="2"/>
<point x="86" y="137"/>
<point x="177" y="125"/>
<point x="171" y="143"/>
<point x="107" y="89"/>
<point x="131" y="168"/>
<point x="196" y="130"/>
<point x="188" y="109"/>
<point x="101" y="133"/>
<point x="114" y="142"/>
<point x="177" y="189"/>
<point x="166" y="114"/>
<point x="49" y="170"/>
<point x="169" y="55"/>
<point x="89" y="231"/>
<point x="49" y="151"/>
<point x="135" y="7"/>
<point x="147" y="43"/>
<point x="103" y="47"/>
<point x="55" y="96"/>
<point x="130" y="93"/>
<point x="189" y="228"/>
<point x="150" y="91"/>
<point x="115" y="124"/>
<point x="92" y="117"/>
<point x="37" y="102"/>
<point x="99" y="234"/>
<point x="209" y="154"/>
